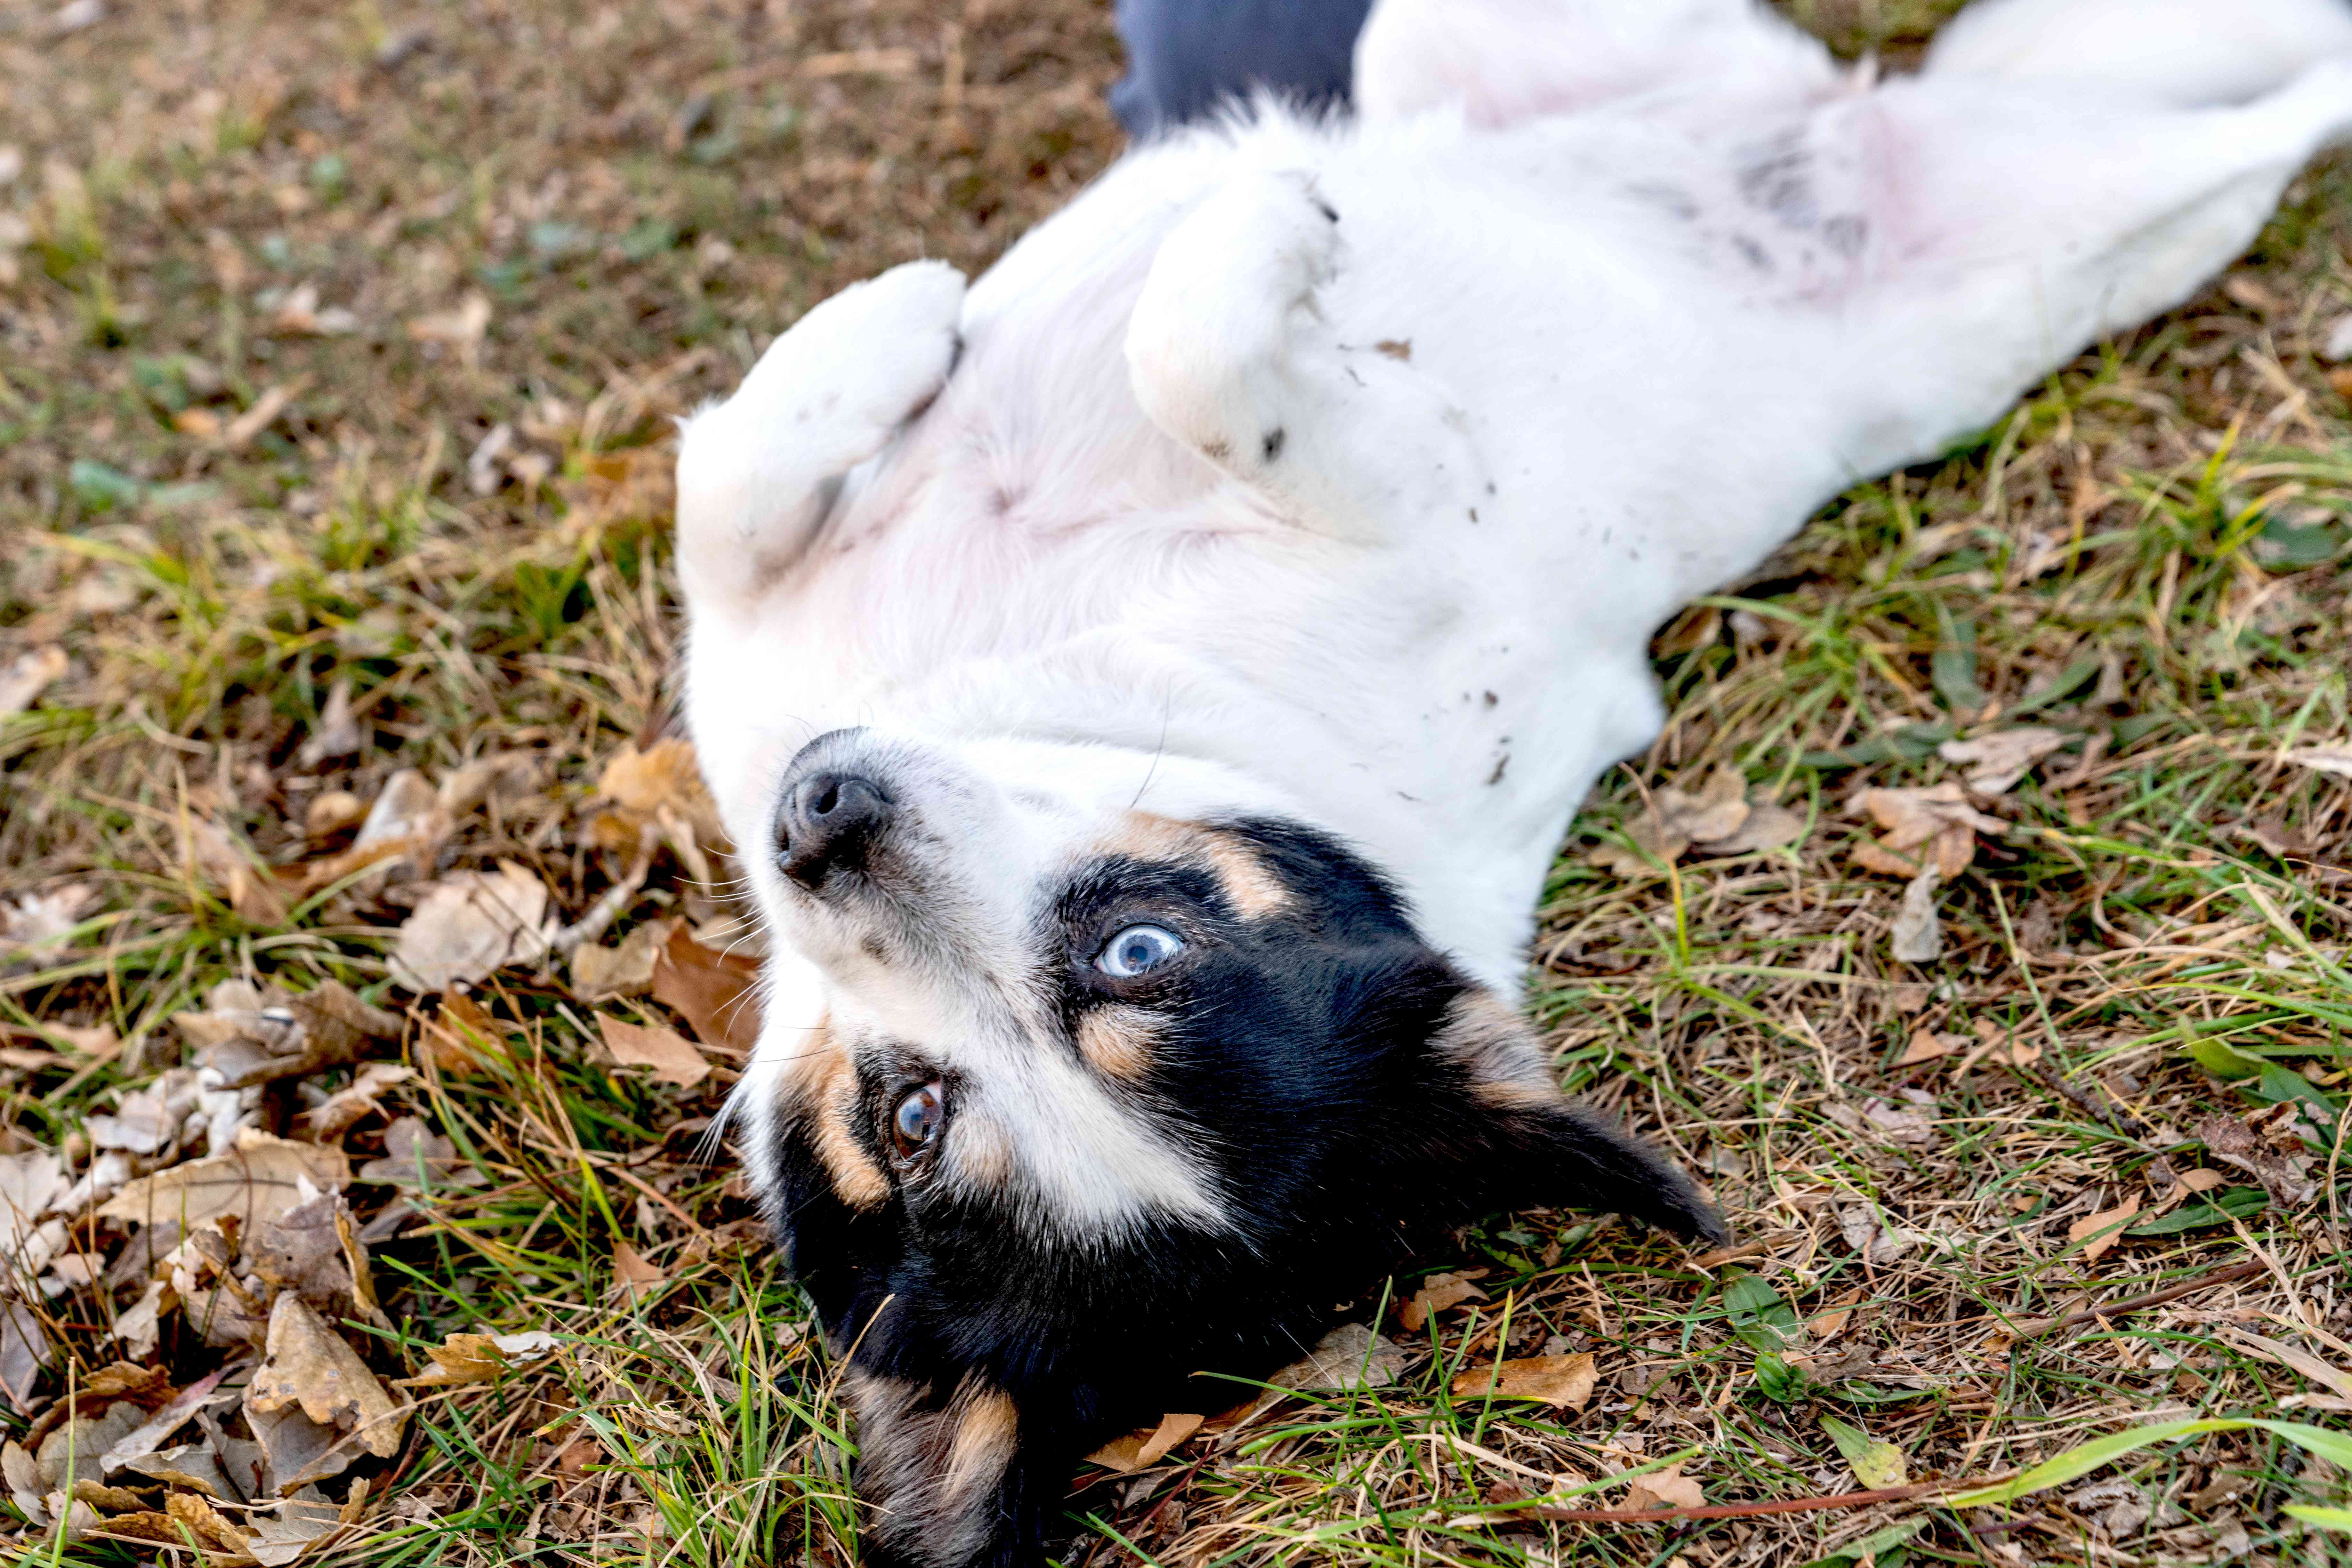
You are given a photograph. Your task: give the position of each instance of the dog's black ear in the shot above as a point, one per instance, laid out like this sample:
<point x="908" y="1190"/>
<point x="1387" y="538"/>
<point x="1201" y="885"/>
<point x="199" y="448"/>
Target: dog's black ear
<point x="1582" y="1161"/>
<point x="1495" y="1123"/>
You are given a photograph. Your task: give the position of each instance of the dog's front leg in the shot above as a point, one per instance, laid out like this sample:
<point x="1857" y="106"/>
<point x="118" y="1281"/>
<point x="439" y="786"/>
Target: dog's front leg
<point x="757" y="474"/>
<point x="1230" y="352"/>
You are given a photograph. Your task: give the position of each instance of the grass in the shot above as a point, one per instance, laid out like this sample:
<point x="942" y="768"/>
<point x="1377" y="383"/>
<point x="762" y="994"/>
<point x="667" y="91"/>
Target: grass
<point x="2149" y="555"/>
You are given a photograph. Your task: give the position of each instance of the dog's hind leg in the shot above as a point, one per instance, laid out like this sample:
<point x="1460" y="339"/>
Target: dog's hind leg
<point x="758" y="473"/>
<point x="2004" y="226"/>
<point x="1228" y="351"/>
<point x="1500" y="61"/>
<point x="2187" y="53"/>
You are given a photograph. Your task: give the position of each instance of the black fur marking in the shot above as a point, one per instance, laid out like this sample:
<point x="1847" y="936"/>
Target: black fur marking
<point x="1273" y="444"/>
<point x="1293" y="1051"/>
<point x="1846" y="234"/>
<point x="1779" y="181"/>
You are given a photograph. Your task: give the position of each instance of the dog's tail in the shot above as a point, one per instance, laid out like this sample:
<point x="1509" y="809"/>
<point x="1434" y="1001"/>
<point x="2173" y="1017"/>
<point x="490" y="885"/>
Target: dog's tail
<point x="2185" y="53"/>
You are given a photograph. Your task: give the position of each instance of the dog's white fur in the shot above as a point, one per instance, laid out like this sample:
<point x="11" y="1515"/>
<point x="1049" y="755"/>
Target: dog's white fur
<point x="1204" y="503"/>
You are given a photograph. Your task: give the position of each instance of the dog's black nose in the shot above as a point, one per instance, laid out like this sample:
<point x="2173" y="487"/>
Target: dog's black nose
<point x="829" y="821"/>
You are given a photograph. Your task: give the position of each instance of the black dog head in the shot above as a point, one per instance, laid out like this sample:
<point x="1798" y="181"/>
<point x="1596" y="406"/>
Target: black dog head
<point x="1040" y="1156"/>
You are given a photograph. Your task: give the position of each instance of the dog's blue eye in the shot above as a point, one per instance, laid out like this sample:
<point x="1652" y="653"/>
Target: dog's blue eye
<point x="1138" y="949"/>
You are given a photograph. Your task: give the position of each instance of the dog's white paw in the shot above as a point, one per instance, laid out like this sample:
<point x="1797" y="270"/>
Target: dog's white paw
<point x="757" y="474"/>
<point x="870" y="356"/>
<point x="1230" y="300"/>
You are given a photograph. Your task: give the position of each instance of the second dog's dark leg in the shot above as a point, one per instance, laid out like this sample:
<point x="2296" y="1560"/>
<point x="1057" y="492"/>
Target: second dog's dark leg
<point x="1185" y="58"/>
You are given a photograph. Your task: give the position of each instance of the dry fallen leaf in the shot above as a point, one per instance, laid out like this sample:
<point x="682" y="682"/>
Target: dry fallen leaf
<point x="714" y="992"/>
<point x="1940" y="818"/>
<point x="481" y="1358"/>
<point x="1668" y="1488"/>
<point x="355" y="1102"/>
<point x="308" y="1364"/>
<point x="2335" y="760"/>
<point x="1717" y="818"/>
<point x="1871" y="1236"/>
<point x="417" y="1157"/>
<point x="1147" y="1446"/>
<point x="307" y="1522"/>
<point x="30" y="1184"/>
<point x="470" y="925"/>
<point x="670" y="1054"/>
<point x="632" y="1276"/>
<point x="2204" y="1179"/>
<point x="247" y="1036"/>
<point x="1918" y="935"/>
<point x="2264" y="1145"/>
<point x="1926" y="1045"/>
<point x="26" y="676"/>
<point x="332" y="811"/>
<point x="1829" y="1324"/>
<point x="313" y="1250"/>
<point x="458" y="1036"/>
<point x="1717" y="809"/>
<point x="1563" y="1381"/>
<point x="1770" y="825"/>
<point x="604" y="974"/>
<point x="1437" y="1292"/>
<point x="44" y="920"/>
<point x="257" y="1180"/>
<point x="24" y="1351"/>
<point x="142" y="1121"/>
<point x="1349" y="1357"/>
<point x="230" y="864"/>
<point x="1913" y="1124"/>
<point x="1996" y="762"/>
<point x="2088" y="1229"/>
<point x="208" y="1523"/>
<point x="660" y="784"/>
<point x="141" y="1441"/>
<point x="461" y="328"/>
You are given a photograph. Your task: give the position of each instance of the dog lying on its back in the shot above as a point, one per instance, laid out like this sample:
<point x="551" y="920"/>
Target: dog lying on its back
<point x="1161" y="674"/>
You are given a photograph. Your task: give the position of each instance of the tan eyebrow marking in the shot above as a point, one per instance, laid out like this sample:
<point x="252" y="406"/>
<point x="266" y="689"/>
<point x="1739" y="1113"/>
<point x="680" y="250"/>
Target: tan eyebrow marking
<point x="1253" y="889"/>
<point x="1120" y="1039"/>
<point x="1500" y="1052"/>
<point x="829" y="1100"/>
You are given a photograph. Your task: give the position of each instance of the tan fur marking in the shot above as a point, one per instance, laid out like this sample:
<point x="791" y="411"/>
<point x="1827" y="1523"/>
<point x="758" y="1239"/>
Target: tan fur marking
<point x="927" y="1470"/>
<point x="985" y="1425"/>
<point x="1119" y="1040"/>
<point x="981" y="1156"/>
<point x="831" y="1100"/>
<point x="1146" y="836"/>
<point x="1500" y="1052"/>
<point x="1253" y="892"/>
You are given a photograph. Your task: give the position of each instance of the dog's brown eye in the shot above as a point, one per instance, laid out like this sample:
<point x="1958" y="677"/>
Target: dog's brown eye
<point x="915" y="1126"/>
